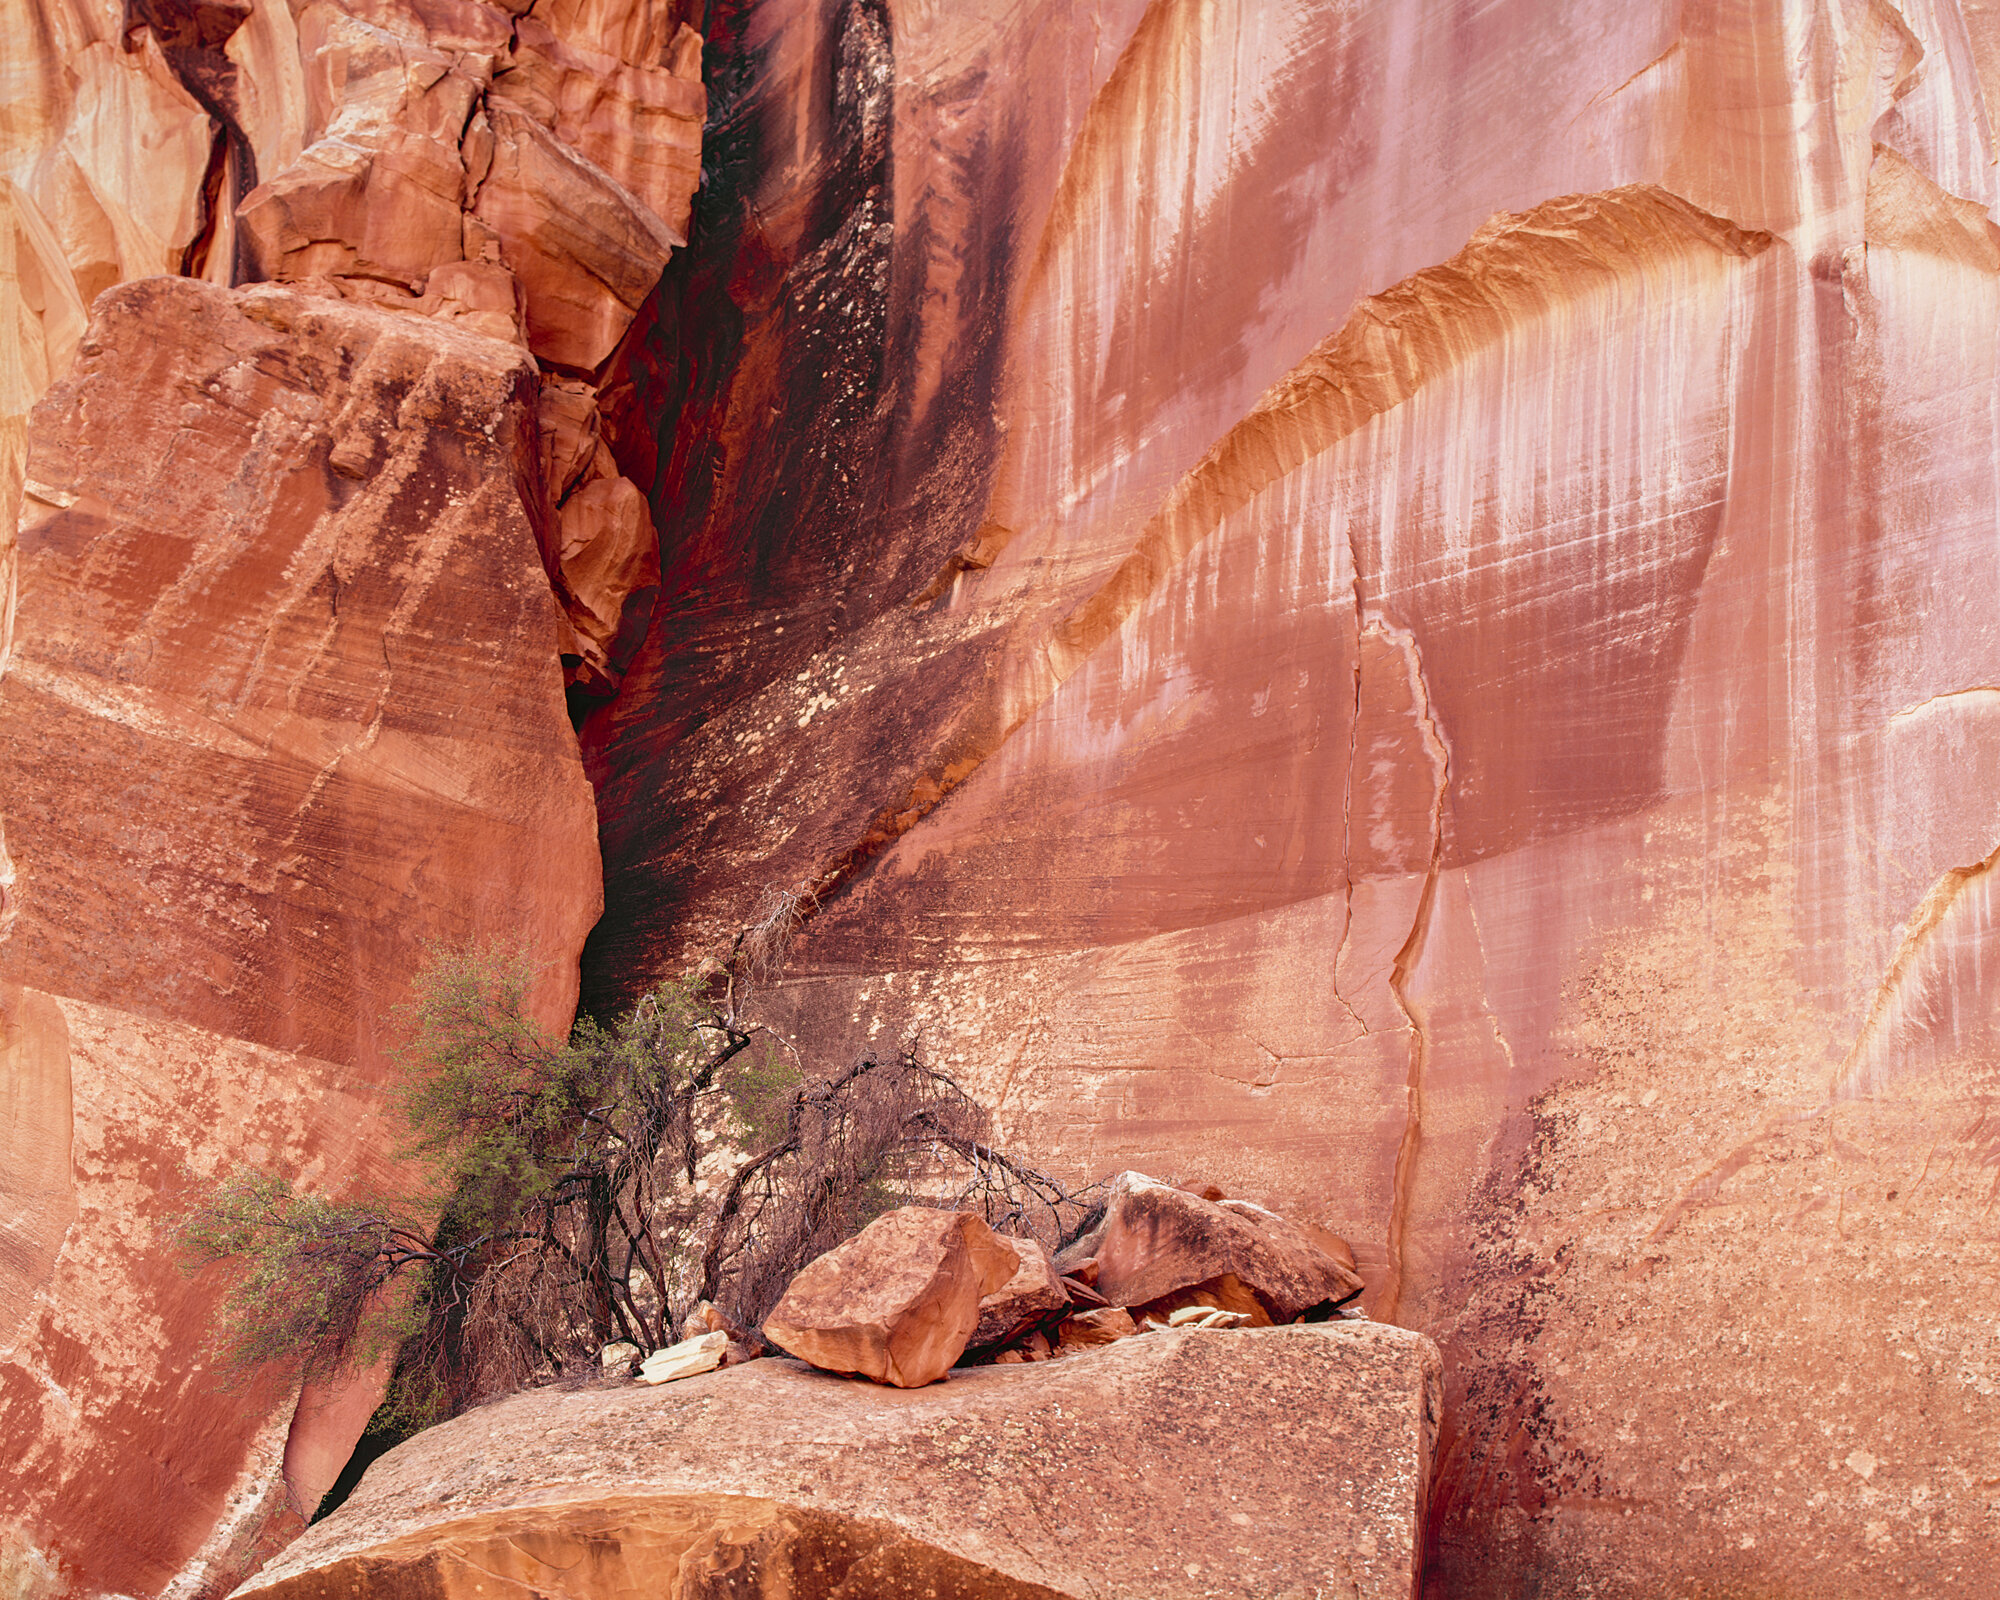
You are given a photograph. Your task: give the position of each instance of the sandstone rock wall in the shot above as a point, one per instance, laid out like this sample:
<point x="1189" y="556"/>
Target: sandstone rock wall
<point x="300" y="576"/>
<point x="281" y="705"/>
<point x="1383" y="603"/>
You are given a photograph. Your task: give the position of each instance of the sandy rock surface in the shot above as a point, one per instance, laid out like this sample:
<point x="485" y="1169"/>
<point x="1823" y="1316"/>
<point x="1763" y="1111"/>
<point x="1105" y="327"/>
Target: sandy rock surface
<point x="1283" y="1462"/>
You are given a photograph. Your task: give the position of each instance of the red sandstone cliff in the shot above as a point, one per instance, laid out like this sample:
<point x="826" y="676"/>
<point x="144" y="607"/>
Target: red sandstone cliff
<point x="1381" y="601"/>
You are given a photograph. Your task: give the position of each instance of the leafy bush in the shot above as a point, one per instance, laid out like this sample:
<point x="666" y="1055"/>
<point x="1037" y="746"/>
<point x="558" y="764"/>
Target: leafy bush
<point x="583" y="1191"/>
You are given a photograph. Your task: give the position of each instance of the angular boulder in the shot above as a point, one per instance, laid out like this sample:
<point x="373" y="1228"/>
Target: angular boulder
<point x="1035" y="1291"/>
<point x="1280" y="1462"/>
<point x="1155" y="1241"/>
<point x="899" y="1300"/>
<point x="703" y="1353"/>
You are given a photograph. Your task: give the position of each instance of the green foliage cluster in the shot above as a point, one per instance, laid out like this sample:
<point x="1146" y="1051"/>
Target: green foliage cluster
<point x="581" y="1190"/>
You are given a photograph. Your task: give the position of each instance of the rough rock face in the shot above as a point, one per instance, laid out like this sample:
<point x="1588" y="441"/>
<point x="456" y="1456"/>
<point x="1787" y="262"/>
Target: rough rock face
<point x="1031" y="1294"/>
<point x="1155" y="1240"/>
<point x="530" y="175"/>
<point x="899" y="1300"/>
<point x="1373" y="601"/>
<point x="283" y="699"/>
<point x="1284" y="1462"/>
<point x="281" y="704"/>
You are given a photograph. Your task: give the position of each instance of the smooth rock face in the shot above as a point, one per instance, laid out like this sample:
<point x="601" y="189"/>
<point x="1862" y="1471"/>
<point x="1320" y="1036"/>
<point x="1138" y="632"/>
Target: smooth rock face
<point x="1283" y="1462"/>
<point x="282" y="703"/>
<point x="1155" y="1240"/>
<point x="1375" y="608"/>
<point x="897" y="1302"/>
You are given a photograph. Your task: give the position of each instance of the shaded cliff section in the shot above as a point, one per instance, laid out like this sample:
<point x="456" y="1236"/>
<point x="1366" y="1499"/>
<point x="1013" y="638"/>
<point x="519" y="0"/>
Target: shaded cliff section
<point x="811" y="465"/>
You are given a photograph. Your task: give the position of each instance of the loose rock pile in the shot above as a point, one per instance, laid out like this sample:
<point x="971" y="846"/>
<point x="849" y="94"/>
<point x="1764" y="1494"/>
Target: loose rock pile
<point x="920" y="1291"/>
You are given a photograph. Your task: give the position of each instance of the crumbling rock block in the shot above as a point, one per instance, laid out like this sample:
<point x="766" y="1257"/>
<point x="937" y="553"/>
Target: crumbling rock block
<point x="1280" y="1462"/>
<point x="611" y="567"/>
<point x="1155" y="1240"/>
<point x="899" y="1300"/>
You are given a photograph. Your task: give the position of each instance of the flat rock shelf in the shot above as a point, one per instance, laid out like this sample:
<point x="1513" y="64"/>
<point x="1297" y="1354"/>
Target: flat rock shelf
<point x="1275" y="1462"/>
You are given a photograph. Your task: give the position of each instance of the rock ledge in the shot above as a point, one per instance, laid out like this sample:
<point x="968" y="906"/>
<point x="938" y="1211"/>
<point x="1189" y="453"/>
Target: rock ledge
<point x="1275" y="1462"/>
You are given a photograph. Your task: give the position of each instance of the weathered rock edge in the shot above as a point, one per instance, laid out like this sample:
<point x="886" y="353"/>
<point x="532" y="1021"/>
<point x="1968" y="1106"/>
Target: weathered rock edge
<point x="1265" y="1463"/>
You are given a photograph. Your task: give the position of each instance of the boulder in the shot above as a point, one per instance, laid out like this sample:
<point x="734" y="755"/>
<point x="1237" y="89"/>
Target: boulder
<point x="703" y="1353"/>
<point x="611" y="568"/>
<point x="1107" y="1325"/>
<point x="1279" y="1462"/>
<point x="899" y="1300"/>
<point x="1155" y="1240"/>
<point x="617" y="1356"/>
<point x="1033" y="1293"/>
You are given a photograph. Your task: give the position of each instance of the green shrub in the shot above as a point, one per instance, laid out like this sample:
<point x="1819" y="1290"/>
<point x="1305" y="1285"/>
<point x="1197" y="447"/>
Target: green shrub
<point x="581" y="1191"/>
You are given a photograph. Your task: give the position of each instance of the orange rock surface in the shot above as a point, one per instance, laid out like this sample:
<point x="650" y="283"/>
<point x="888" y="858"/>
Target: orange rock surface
<point x="281" y="705"/>
<point x="1165" y="1467"/>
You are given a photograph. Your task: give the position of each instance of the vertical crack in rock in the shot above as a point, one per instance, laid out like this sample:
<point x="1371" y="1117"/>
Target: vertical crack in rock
<point x="1391" y="346"/>
<point x="1404" y="967"/>
<point x="9" y="599"/>
<point x="1347" y="797"/>
<point x="1960" y="894"/>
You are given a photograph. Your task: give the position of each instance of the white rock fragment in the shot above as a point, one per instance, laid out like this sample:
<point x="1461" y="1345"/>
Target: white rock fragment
<point x="684" y="1360"/>
<point x="613" y="1356"/>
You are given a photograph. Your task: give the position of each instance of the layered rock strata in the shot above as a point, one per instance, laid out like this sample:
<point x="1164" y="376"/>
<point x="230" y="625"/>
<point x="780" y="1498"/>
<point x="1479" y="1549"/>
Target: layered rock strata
<point x="1286" y="1461"/>
<point x="279" y="689"/>
<point x="280" y="707"/>
<point x="1372" y="601"/>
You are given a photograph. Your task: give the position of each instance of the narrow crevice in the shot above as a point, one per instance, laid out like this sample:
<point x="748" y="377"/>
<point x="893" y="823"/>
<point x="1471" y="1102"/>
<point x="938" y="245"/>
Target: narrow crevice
<point x="1347" y="794"/>
<point x="1410" y="1145"/>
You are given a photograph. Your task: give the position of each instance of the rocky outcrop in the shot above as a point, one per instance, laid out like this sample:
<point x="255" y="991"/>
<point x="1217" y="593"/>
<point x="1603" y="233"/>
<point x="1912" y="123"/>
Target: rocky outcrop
<point x="1154" y="1243"/>
<point x="1268" y="1463"/>
<point x="281" y="706"/>
<point x="897" y="1302"/>
<point x="280" y="699"/>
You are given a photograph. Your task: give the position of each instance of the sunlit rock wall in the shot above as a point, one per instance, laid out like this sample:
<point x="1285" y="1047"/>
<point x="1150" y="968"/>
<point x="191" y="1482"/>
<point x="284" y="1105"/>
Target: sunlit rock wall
<point x="282" y="705"/>
<point x="1386" y="604"/>
<point x="305" y="573"/>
